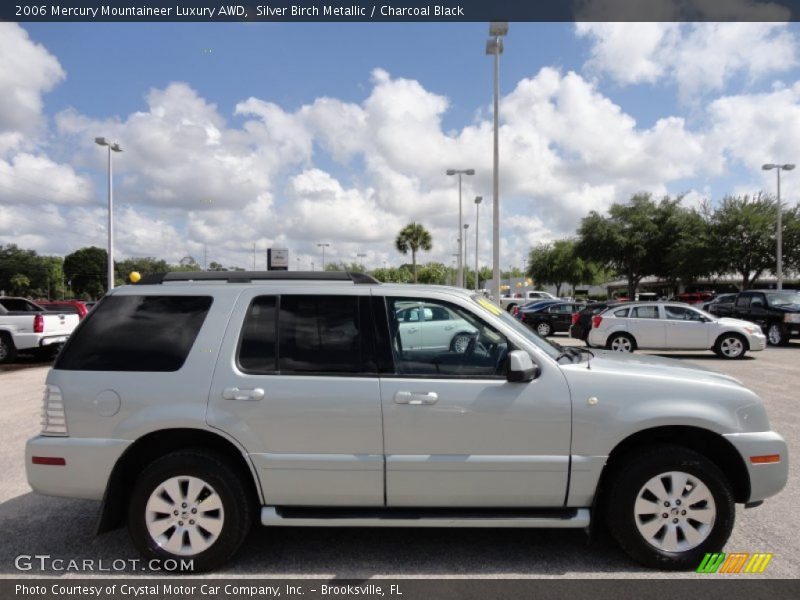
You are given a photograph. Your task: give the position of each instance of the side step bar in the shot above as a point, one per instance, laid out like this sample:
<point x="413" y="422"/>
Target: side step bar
<point x="574" y="518"/>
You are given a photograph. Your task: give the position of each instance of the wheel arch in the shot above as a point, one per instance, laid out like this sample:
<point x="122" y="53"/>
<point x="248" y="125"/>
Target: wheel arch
<point x="732" y="332"/>
<point x="158" y="443"/>
<point x="621" y="332"/>
<point x="708" y="443"/>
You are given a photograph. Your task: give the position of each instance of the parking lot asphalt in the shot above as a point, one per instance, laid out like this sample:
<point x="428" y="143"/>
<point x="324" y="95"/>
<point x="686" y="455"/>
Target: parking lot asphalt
<point x="64" y="528"/>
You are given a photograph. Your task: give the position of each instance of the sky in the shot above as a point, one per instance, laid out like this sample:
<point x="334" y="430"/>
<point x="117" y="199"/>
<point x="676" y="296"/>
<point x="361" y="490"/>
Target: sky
<point x="289" y="135"/>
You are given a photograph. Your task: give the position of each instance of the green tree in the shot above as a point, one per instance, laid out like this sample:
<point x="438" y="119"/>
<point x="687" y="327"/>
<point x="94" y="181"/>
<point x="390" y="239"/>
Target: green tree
<point x="143" y="266"/>
<point x="413" y="237"/>
<point x="20" y="284"/>
<point x="791" y="238"/>
<point x="629" y="241"/>
<point x="743" y="236"/>
<point x="392" y="275"/>
<point x="688" y="251"/>
<point x="215" y="266"/>
<point x="86" y="270"/>
<point x="433" y="273"/>
<point x="559" y="263"/>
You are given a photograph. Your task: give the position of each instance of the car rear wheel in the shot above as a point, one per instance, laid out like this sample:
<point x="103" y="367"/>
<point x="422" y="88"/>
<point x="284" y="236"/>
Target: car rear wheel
<point x="669" y="506"/>
<point x="621" y="342"/>
<point x="731" y="346"/>
<point x="544" y="329"/>
<point x="190" y="505"/>
<point x="7" y="350"/>
<point x="776" y="335"/>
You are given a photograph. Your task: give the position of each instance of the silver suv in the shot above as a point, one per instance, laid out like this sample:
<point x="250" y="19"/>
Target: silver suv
<point x="194" y="404"/>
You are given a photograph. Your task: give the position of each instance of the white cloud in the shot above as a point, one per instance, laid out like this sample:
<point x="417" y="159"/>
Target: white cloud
<point x="699" y="58"/>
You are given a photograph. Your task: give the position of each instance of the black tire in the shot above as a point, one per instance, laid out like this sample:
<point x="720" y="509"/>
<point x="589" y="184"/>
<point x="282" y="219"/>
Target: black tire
<point x="460" y="340"/>
<point x="8" y="351"/>
<point x="728" y="343"/>
<point x="237" y="502"/>
<point x="620" y="337"/>
<point x="625" y="485"/>
<point x="543" y="328"/>
<point x="510" y="307"/>
<point x="777" y="335"/>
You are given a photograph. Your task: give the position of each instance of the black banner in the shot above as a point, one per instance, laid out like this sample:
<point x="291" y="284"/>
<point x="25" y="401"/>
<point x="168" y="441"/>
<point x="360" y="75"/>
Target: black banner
<point x="402" y="10"/>
<point x="734" y="588"/>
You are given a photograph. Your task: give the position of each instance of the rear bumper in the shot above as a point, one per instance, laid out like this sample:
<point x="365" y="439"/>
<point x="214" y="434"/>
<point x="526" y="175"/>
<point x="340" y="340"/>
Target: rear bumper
<point x="765" y="479"/>
<point x="25" y="341"/>
<point x="88" y="465"/>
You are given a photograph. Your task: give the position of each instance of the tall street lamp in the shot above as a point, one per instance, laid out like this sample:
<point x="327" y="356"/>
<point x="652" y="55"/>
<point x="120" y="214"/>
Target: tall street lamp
<point x="362" y="257"/>
<point x="323" y="246"/>
<point x="466" y="268"/>
<point x="779" y="236"/>
<point x="460" y="274"/>
<point x="477" y="221"/>
<point x="494" y="47"/>
<point x="112" y="147"/>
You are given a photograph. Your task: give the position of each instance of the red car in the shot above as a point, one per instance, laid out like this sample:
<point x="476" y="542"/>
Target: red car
<point x="70" y="306"/>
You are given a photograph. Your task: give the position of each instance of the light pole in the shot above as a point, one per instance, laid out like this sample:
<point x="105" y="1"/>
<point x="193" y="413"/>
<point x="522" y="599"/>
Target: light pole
<point x="298" y="263"/>
<point x="323" y="246"/>
<point x="362" y="257"/>
<point x="460" y="275"/>
<point x="112" y="147"/>
<point x="466" y="268"/>
<point x="494" y="47"/>
<point x="477" y="217"/>
<point x="779" y="235"/>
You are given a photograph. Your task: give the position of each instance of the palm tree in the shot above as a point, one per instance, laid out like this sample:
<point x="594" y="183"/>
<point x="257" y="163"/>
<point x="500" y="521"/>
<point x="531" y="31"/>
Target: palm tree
<point x="413" y="237"/>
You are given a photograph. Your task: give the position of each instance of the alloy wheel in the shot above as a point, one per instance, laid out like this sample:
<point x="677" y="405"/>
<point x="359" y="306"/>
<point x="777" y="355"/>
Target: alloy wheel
<point x="460" y="343"/>
<point x="731" y="347"/>
<point x="621" y="344"/>
<point x="184" y="515"/>
<point x="543" y="329"/>
<point x="775" y="335"/>
<point x="674" y="511"/>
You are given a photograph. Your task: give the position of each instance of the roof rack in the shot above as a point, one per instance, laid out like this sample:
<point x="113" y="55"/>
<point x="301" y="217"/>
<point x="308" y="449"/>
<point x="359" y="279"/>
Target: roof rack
<point x="248" y="276"/>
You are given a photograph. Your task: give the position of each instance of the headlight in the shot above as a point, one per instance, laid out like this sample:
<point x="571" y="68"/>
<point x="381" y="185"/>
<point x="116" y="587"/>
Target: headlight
<point x="751" y="330"/>
<point x="791" y="318"/>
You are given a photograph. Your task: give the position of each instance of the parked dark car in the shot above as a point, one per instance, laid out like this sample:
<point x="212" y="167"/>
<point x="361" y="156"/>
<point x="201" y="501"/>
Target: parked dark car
<point x="721" y="306"/>
<point x="518" y="311"/>
<point x="776" y="311"/>
<point x="551" y="318"/>
<point x="581" y="323"/>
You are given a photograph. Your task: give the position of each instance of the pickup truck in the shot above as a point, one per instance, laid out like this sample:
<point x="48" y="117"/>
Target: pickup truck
<point x="776" y="311"/>
<point x="509" y="302"/>
<point x="27" y="326"/>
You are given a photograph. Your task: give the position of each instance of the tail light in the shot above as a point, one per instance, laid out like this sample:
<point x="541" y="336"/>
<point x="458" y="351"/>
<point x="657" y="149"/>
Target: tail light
<point x="54" y="418"/>
<point x="596" y="320"/>
<point x="575" y="318"/>
<point x="38" y="324"/>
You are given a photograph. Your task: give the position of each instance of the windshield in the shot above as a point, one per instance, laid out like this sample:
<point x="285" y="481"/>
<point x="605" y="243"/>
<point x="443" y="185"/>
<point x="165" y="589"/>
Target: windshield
<point x="551" y="348"/>
<point x="784" y="299"/>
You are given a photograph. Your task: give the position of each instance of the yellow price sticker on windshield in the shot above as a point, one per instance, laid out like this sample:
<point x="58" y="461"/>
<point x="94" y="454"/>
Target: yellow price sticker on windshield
<point x="490" y="306"/>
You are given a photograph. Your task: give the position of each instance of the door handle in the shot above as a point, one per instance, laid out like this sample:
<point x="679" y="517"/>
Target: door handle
<point x="416" y="398"/>
<point x="234" y="393"/>
<point x="412" y="330"/>
<point x="449" y="327"/>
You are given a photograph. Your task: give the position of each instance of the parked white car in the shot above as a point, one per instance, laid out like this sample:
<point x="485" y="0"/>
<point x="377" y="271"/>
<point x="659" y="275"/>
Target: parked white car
<point x="673" y="326"/>
<point x="433" y="327"/>
<point x="509" y="302"/>
<point x="27" y="326"/>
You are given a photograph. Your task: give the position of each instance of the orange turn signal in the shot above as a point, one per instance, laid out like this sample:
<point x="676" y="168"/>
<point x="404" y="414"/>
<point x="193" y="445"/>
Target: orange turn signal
<point x="766" y="458"/>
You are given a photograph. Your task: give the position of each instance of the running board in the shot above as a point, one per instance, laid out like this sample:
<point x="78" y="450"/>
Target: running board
<point x="367" y="517"/>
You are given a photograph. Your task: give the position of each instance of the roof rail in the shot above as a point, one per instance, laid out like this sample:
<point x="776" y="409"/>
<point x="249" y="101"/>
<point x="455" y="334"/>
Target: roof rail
<point x="248" y="276"/>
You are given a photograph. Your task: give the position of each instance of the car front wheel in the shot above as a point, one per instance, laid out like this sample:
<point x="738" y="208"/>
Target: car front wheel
<point x="544" y="329"/>
<point x="669" y="506"/>
<point x="730" y="346"/>
<point x="190" y="505"/>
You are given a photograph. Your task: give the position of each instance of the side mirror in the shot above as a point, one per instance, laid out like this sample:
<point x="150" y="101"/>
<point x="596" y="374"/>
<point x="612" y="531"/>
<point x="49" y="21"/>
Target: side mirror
<point x="521" y="368"/>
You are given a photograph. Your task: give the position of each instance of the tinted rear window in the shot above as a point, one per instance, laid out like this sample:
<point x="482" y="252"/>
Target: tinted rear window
<point x="136" y="333"/>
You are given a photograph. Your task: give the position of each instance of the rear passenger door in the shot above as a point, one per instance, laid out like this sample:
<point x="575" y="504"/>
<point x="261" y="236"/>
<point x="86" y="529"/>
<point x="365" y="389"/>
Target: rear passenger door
<point x="647" y="326"/>
<point x="296" y="384"/>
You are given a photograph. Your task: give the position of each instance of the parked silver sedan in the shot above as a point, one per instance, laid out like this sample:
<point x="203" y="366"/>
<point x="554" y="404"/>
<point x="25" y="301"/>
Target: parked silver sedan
<point x="673" y="326"/>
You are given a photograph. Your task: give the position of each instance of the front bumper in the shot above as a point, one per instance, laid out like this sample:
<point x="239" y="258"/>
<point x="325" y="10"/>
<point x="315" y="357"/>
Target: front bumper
<point x="89" y="463"/>
<point x="757" y="341"/>
<point x="765" y="479"/>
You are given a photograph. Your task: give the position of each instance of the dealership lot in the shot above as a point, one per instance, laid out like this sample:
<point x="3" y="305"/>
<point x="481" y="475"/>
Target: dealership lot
<point x="63" y="528"/>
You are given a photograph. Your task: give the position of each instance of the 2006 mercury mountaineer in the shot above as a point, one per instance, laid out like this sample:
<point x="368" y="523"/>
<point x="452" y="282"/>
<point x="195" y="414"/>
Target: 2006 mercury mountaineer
<point x="194" y="403"/>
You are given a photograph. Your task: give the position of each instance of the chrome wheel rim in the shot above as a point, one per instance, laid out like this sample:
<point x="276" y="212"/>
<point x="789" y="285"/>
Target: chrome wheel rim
<point x="774" y="335"/>
<point x="621" y="344"/>
<point x="674" y="511"/>
<point x="543" y="329"/>
<point x="732" y="347"/>
<point x="184" y="515"/>
<point x="460" y="343"/>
